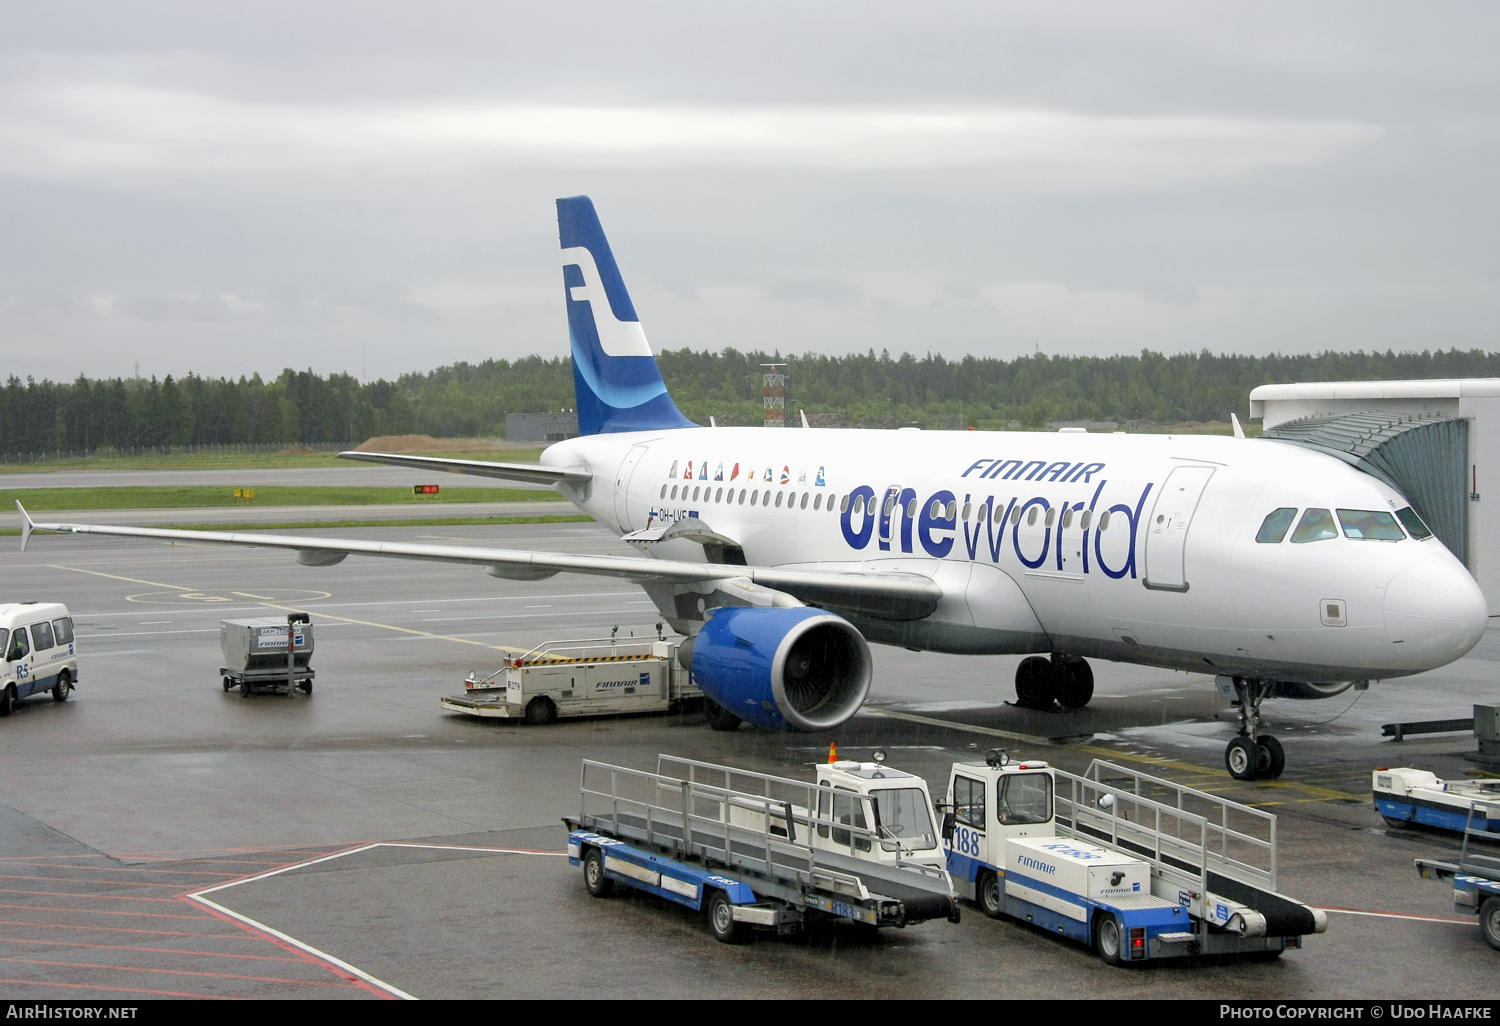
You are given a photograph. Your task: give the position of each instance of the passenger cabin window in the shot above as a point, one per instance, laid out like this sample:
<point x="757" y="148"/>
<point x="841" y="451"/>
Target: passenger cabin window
<point x="1413" y="523"/>
<point x="63" y="628"/>
<point x="1370" y="525"/>
<point x="1316" y="525"/>
<point x="19" y="647"/>
<point x="968" y="802"/>
<point x="41" y="635"/>
<point x="1273" y="529"/>
<point x="1025" y="798"/>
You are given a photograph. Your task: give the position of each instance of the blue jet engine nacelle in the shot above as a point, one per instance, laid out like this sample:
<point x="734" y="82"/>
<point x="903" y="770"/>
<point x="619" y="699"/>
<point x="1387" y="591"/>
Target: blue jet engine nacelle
<point x="785" y="669"/>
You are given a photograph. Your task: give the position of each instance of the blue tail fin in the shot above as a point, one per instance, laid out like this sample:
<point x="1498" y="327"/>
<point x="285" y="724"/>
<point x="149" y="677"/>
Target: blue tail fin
<point x="615" y="376"/>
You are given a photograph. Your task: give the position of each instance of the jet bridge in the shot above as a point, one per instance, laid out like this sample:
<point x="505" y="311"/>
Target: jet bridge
<point x="1428" y="439"/>
<point x="1424" y="458"/>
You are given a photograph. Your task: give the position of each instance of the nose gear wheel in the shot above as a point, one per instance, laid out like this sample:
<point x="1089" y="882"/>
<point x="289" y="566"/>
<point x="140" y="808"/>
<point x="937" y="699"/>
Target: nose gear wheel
<point x="1253" y="755"/>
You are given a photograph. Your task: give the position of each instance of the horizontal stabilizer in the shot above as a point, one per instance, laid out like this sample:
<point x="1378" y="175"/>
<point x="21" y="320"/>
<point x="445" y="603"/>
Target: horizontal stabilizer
<point x="530" y="473"/>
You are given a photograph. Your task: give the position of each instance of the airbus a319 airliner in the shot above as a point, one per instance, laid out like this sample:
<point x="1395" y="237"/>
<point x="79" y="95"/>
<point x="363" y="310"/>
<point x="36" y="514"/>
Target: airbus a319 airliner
<point x="782" y="553"/>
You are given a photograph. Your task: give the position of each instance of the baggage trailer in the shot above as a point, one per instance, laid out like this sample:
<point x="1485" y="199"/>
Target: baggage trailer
<point x="267" y="653"/>
<point x="1476" y="875"/>
<point x="758" y="852"/>
<point x="1120" y="860"/>
<point x="580" y="678"/>
<point x="1404" y="796"/>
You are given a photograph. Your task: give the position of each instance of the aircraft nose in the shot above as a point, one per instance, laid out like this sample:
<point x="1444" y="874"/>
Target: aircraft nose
<point x="1435" y="612"/>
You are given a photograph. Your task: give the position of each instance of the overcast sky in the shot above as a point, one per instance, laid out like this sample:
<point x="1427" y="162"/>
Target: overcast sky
<point x="368" y="187"/>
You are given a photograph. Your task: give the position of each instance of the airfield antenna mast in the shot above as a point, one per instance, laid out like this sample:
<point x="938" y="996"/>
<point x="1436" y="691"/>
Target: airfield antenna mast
<point x="773" y="392"/>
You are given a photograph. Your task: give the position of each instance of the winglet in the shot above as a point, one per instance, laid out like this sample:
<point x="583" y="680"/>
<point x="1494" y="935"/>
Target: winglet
<point x="26" y="525"/>
<point x="1239" y="432"/>
<point x="803" y="415"/>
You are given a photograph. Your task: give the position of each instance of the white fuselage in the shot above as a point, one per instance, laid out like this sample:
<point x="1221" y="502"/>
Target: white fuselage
<point x="1009" y="524"/>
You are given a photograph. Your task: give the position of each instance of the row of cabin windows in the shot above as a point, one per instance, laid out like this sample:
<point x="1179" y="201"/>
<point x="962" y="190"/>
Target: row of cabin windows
<point x="44" y="635"/>
<point x="1360" y="524"/>
<point x="938" y="511"/>
<point x="711" y="494"/>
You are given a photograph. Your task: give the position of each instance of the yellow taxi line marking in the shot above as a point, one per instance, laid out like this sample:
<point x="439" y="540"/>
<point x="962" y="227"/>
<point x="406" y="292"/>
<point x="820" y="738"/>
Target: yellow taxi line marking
<point x="117" y="577"/>
<point x="1323" y="794"/>
<point x="392" y="627"/>
<point x="246" y="594"/>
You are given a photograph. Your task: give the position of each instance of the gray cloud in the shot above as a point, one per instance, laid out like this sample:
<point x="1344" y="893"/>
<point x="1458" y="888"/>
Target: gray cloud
<point x="242" y="187"/>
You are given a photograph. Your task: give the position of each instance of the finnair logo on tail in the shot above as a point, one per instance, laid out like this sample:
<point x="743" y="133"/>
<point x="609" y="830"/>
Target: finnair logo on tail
<point x="616" y="337"/>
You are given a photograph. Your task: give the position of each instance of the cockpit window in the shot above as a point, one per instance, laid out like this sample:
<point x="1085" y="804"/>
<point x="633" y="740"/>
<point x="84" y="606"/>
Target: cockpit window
<point x="1316" y="525"/>
<point x="1370" y="525"/>
<point x="1273" y="529"/>
<point x="1412" y="523"/>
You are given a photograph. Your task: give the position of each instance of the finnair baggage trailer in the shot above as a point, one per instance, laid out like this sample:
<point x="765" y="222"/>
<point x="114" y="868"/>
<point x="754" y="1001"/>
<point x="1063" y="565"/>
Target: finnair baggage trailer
<point x="755" y="851"/>
<point x="1116" y="860"/>
<point x="1476" y="875"/>
<point x="268" y="652"/>
<point x="580" y="678"/>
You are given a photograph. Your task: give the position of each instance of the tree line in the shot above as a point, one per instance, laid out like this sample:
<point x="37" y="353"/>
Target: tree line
<point x="857" y="390"/>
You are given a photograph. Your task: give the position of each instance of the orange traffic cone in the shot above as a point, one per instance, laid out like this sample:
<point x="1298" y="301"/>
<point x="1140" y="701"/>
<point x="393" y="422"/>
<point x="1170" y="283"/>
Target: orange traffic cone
<point x="833" y="752"/>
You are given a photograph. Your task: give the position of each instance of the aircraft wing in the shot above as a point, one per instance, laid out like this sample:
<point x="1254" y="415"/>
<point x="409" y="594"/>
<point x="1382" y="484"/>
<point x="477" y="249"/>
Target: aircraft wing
<point x="896" y="596"/>
<point x="531" y="473"/>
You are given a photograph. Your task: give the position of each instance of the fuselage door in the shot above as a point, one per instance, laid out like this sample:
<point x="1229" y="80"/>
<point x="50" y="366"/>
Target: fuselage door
<point x="1166" y="532"/>
<point x="622" y="487"/>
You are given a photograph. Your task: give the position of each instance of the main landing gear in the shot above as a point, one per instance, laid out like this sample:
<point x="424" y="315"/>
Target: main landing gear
<point x="1043" y="683"/>
<point x="1253" y="755"/>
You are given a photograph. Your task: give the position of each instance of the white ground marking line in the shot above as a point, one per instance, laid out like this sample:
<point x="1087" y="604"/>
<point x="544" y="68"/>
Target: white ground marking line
<point x="198" y="896"/>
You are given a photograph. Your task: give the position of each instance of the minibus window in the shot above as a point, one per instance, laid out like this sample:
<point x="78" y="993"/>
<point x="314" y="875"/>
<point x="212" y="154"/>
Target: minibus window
<point x="19" y="647"/>
<point x="41" y="635"/>
<point x="63" y="628"/>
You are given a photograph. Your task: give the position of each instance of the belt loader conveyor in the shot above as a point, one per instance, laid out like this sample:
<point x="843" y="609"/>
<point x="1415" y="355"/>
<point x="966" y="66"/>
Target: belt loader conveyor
<point x="1138" y="867"/>
<point x="758" y="851"/>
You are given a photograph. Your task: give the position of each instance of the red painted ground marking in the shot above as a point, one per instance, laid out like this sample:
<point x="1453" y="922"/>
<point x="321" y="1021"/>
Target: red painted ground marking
<point x="105" y="912"/>
<point x="123" y="929"/>
<point x="122" y="990"/>
<point x="306" y="956"/>
<point x="208" y="853"/>
<point x="175" y="972"/>
<point x="74" y="879"/>
<point x="160" y="951"/>
<point x="122" y="869"/>
<point x="1396" y="915"/>
<point x="73" y="894"/>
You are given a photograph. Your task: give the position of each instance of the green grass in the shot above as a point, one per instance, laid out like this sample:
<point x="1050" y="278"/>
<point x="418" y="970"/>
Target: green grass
<point x="245" y="461"/>
<point x="573" y="518"/>
<point x="194" y="496"/>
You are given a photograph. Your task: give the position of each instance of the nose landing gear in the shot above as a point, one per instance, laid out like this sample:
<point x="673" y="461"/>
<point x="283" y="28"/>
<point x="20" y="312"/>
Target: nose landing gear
<point x="1253" y="755"/>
